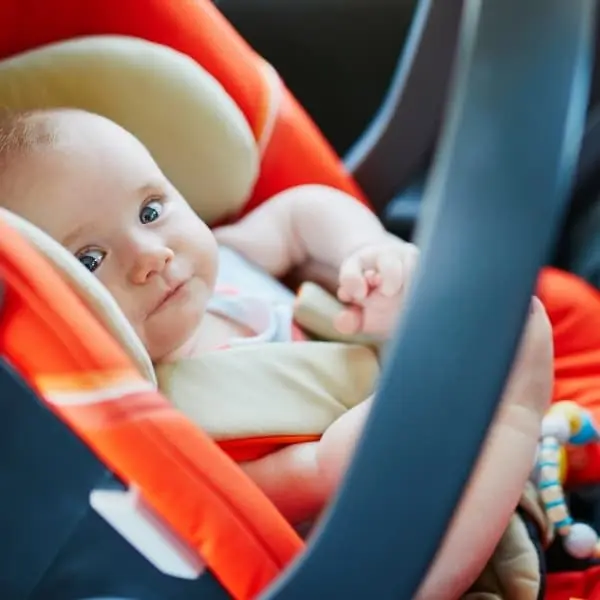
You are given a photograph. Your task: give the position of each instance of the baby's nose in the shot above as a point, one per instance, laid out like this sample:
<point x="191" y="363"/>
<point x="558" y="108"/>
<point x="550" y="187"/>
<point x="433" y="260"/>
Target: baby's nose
<point x="150" y="261"/>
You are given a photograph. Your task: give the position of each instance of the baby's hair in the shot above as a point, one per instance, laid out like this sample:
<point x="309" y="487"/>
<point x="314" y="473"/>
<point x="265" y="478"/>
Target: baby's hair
<point x="23" y="132"/>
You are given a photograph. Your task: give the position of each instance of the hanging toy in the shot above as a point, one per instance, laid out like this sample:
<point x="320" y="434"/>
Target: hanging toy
<point x="565" y="423"/>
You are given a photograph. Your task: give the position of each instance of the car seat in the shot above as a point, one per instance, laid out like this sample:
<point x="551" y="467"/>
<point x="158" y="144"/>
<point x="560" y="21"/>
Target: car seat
<point x="244" y="553"/>
<point x="397" y="146"/>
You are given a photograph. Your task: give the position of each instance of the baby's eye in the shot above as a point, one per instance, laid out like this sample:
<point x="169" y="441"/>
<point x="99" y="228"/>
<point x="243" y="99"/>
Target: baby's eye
<point x="150" y="212"/>
<point x="91" y="259"/>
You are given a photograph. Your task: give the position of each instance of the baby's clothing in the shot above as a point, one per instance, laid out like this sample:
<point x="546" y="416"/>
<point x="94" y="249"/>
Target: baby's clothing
<point x="237" y="273"/>
<point x="249" y="297"/>
<point x="270" y="320"/>
<point x="252" y="299"/>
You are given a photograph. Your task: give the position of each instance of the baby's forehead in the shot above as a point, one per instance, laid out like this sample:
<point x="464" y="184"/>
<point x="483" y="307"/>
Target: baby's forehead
<point x="53" y="200"/>
<point x="81" y="142"/>
<point x="61" y="129"/>
<point x="27" y="137"/>
<point x="79" y="169"/>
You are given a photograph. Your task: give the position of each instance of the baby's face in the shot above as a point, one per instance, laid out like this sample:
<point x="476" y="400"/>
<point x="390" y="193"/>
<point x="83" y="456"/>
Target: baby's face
<point x="103" y="197"/>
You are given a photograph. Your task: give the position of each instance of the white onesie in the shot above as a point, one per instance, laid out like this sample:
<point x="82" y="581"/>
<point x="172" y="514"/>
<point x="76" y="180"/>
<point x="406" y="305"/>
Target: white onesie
<point x="249" y="296"/>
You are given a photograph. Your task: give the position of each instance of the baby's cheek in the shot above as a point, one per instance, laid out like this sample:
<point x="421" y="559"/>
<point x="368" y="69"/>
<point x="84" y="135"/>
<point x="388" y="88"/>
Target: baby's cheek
<point x="126" y="303"/>
<point x="144" y="333"/>
<point x="201" y="248"/>
<point x="131" y="306"/>
<point x="159" y="339"/>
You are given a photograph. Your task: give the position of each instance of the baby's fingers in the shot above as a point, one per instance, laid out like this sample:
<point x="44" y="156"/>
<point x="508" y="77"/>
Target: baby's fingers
<point x="354" y="286"/>
<point x="349" y="321"/>
<point x="392" y="273"/>
<point x="530" y="383"/>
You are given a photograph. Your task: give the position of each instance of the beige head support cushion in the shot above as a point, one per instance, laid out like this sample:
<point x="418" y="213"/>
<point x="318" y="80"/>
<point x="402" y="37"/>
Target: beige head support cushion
<point x="192" y="127"/>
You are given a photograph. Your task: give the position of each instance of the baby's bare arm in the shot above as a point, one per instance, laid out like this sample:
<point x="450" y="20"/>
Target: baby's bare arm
<point x="503" y="468"/>
<point x="291" y="479"/>
<point x="301" y="479"/>
<point x="306" y="224"/>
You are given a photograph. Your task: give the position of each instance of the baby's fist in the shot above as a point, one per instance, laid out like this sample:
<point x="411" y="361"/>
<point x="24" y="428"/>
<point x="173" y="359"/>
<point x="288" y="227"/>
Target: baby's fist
<point x="372" y="284"/>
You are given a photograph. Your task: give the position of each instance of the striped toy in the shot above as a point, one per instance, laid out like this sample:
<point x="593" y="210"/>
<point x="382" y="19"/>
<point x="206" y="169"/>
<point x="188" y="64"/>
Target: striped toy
<point x="565" y="423"/>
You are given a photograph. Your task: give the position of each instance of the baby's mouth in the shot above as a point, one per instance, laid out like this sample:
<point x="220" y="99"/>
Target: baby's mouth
<point x="168" y="296"/>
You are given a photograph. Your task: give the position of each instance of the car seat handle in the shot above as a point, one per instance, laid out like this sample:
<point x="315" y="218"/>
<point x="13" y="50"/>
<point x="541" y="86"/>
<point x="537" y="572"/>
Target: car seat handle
<point x="400" y="138"/>
<point x="495" y="199"/>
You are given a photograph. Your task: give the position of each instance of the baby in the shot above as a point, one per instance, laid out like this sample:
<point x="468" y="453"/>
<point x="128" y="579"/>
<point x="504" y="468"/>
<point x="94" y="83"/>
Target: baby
<point x="96" y="189"/>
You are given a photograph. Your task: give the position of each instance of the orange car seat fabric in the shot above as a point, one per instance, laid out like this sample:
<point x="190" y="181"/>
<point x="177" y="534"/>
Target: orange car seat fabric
<point x="576" y="585"/>
<point x="574" y="310"/>
<point x="246" y="449"/>
<point x="294" y="151"/>
<point x="48" y="335"/>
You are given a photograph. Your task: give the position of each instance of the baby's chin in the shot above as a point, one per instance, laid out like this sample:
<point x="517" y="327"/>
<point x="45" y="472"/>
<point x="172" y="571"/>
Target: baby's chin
<point x="171" y="334"/>
<point x="168" y="340"/>
<point x="173" y="349"/>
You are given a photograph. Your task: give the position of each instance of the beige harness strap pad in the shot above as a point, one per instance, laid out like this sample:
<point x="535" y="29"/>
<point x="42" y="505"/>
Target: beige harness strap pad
<point x="295" y="388"/>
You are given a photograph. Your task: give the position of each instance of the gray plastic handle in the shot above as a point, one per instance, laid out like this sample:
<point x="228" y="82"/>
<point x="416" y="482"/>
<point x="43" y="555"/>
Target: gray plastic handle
<point x="497" y="194"/>
<point x="401" y="136"/>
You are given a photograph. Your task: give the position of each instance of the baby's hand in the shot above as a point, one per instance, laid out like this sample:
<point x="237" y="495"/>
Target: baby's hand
<point x="372" y="284"/>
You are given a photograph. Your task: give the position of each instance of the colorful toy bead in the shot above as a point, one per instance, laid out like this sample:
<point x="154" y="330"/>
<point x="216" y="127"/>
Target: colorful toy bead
<point x="566" y="423"/>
